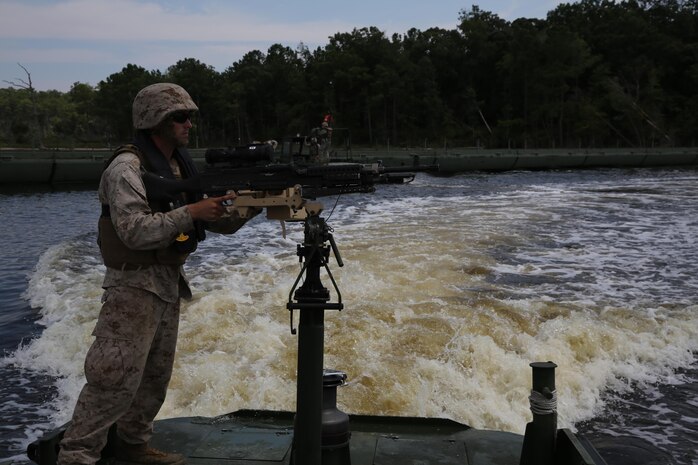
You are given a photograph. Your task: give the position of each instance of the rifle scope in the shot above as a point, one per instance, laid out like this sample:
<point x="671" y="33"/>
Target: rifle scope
<point x="244" y="155"/>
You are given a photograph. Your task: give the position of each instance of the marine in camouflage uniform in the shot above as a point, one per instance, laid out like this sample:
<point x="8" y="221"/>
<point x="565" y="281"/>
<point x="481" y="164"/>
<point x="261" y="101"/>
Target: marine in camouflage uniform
<point x="128" y="367"/>
<point x="320" y="141"/>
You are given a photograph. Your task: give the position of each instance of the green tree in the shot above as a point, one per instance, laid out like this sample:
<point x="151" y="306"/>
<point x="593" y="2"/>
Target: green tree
<point x="16" y="116"/>
<point x="34" y="123"/>
<point x="360" y="69"/>
<point x="202" y="82"/>
<point x="86" y="126"/>
<point x="248" y="81"/>
<point x="486" y="38"/>
<point x="287" y="94"/>
<point x="439" y="53"/>
<point x="638" y="51"/>
<point x="268" y="94"/>
<point x="114" y="100"/>
<point x="55" y="114"/>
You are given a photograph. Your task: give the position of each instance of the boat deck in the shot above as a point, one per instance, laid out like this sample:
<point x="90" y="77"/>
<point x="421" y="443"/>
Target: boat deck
<point x="261" y="437"/>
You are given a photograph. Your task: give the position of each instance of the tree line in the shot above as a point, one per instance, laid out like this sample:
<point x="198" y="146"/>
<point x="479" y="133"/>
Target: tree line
<point x="594" y="73"/>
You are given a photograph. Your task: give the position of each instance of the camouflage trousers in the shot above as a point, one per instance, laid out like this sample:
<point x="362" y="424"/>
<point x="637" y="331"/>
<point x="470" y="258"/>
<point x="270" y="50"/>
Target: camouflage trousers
<point x="127" y="368"/>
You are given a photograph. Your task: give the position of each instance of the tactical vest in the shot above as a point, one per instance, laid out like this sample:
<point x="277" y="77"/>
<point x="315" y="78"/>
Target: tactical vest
<point x="114" y="252"/>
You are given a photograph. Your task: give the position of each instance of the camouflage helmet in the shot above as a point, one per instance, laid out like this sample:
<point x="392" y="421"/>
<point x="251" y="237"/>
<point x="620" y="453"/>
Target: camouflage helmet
<point x="153" y="103"/>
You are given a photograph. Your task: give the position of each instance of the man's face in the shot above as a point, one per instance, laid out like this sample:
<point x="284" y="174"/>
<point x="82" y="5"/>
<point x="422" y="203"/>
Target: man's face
<point x="175" y="129"/>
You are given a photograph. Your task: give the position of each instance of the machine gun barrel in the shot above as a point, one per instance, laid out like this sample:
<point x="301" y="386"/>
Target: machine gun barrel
<point x="314" y="180"/>
<point x="251" y="169"/>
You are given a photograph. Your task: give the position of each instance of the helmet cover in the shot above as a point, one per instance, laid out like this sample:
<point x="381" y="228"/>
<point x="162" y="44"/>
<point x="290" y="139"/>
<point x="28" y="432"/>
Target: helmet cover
<point x="155" y="102"/>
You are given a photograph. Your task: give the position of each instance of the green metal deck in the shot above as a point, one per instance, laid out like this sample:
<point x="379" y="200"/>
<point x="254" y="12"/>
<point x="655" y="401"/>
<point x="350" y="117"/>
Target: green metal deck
<point x="262" y="437"/>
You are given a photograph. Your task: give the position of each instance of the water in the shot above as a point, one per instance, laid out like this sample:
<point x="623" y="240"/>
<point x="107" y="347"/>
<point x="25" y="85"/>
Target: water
<point x="452" y="286"/>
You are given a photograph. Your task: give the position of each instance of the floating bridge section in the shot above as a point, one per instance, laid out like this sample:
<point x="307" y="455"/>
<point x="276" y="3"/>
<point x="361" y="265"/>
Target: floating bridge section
<point x="473" y="159"/>
<point x="84" y="166"/>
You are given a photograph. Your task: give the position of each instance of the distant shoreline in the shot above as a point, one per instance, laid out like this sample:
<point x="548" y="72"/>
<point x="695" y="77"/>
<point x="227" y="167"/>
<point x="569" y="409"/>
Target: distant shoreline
<point x="84" y="166"/>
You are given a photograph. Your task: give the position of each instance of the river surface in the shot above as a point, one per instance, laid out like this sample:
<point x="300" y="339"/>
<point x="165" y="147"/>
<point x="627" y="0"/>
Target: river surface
<point x="452" y="286"/>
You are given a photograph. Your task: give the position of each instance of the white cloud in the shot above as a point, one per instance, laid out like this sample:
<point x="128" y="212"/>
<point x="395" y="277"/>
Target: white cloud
<point x="131" y="20"/>
<point x="55" y="55"/>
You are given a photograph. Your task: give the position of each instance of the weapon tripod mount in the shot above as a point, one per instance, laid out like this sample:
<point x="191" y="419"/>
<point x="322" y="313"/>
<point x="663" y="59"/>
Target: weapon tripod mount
<point x="311" y="299"/>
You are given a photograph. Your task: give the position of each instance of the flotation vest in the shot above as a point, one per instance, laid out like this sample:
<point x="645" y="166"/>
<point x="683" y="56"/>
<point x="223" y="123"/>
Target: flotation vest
<point x="114" y="252"/>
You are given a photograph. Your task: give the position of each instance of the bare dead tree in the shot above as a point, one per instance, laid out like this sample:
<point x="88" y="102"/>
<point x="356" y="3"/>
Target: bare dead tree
<point x="27" y="85"/>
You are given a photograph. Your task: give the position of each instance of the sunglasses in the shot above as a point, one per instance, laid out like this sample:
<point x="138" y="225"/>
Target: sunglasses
<point x="181" y="117"/>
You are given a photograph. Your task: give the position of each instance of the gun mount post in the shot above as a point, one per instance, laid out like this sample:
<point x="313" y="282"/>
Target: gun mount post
<point x="311" y="300"/>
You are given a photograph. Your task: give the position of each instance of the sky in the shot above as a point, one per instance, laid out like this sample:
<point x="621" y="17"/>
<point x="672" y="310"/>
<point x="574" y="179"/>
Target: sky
<point x="61" y="42"/>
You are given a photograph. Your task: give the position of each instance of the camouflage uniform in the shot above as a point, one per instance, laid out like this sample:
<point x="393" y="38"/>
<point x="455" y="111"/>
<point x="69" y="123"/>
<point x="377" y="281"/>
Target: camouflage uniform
<point x="129" y="364"/>
<point x="320" y="141"/>
<point x="128" y="367"/>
